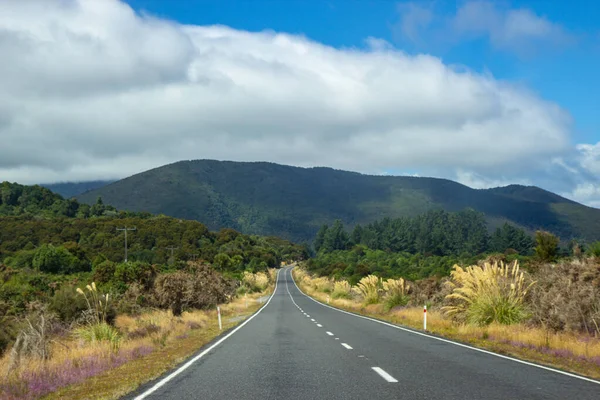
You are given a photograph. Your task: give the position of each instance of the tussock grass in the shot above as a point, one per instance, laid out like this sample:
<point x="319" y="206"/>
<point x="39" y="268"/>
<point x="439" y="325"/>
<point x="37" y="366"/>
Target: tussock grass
<point x="341" y="290"/>
<point x="493" y="292"/>
<point x="257" y="282"/>
<point x="368" y="289"/>
<point x="150" y="344"/>
<point x="396" y="293"/>
<point x="568" y="351"/>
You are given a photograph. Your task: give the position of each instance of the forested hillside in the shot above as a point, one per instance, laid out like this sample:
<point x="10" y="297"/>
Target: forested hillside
<point x="292" y="203"/>
<point x="72" y="189"/>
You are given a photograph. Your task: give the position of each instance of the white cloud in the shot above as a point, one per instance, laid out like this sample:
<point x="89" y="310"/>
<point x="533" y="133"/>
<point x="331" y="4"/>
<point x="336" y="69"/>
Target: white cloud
<point x="519" y="30"/>
<point x="586" y="193"/>
<point x="91" y="90"/>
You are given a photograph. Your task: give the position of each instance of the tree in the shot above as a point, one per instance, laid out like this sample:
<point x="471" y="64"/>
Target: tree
<point x="320" y="238"/>
<point x="336" y="237"/>
<point x="547" y="246"/>
<point x="55" y="260"/>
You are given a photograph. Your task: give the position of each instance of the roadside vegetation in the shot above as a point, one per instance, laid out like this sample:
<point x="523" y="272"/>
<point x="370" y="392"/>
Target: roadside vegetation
<point x="101" y="351"/>
<point x="551" y="316"/>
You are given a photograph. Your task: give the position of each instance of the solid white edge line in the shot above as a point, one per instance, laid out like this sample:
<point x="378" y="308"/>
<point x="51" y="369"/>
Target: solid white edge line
<point x="346" y="346"/>
<point x="449" y="341"/>
<point x="384" y="375"/>
<point x="185" y="366"/>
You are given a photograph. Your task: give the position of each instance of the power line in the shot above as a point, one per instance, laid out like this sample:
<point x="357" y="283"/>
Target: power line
<point x="125" y="230"/>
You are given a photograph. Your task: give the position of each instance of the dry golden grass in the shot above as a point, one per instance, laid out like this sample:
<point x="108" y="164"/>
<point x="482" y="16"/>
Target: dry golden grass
<point x="576" y="353"/>
<point x="493" y="292"/>
<point x="153" y="343"/>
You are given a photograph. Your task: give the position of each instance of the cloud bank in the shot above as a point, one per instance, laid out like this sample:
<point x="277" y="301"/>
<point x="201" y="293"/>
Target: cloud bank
<point x="92" y="90"/>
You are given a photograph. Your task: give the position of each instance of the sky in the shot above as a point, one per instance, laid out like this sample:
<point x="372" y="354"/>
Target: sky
<point x="483" y="93"/>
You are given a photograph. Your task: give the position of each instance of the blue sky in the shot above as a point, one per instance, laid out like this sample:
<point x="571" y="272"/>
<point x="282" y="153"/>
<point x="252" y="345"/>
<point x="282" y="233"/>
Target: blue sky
<point x="484" y="93"/>
<point x="566" y="75"/>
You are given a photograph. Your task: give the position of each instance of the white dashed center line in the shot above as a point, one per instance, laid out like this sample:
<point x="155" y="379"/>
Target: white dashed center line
<point x="347" y="346"/>
<point x="329" y="333"/>
<point x="319" y="325"/>
<point x="312" y="319"/>
<point x="384" y="375"/>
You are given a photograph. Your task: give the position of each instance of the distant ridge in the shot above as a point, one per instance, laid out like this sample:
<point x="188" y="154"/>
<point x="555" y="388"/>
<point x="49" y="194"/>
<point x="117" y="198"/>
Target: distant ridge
<point x="292" y="202"/>
<point x="72" y="189"/>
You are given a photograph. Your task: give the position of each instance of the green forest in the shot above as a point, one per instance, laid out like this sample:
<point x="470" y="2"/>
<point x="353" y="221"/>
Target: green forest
<point x="425" y="245"/>
<point x="49" y="245"/>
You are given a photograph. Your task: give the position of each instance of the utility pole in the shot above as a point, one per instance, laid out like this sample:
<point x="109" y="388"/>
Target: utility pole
<point x="125" y="230"/>
<point x="172" y="249"/>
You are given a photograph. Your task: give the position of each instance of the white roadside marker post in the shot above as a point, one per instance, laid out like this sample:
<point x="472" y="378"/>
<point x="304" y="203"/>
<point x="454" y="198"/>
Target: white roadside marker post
<point x="219" y="315"/>
<point x="424" y="318"/>
<point x="327" y="299"/>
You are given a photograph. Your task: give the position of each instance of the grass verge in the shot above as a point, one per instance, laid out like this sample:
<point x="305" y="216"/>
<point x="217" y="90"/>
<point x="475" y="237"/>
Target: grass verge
<point x="156" y="342"/>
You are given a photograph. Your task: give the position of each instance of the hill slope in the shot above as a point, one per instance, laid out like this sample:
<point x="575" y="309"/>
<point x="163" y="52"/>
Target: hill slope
<point x="291" y="202"/>
<point x="72" y="189"/>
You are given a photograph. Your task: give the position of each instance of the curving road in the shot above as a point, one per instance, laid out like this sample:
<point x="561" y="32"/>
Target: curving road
<point x="297" y="348"/>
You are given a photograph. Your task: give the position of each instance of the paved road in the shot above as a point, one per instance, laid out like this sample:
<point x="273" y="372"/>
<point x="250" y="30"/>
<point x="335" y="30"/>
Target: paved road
<point x="296" y="348"/>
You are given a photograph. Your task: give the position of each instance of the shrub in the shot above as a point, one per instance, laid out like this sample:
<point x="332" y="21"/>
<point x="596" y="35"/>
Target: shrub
<point x="341" y="289"/>
<point x="368" y="288"/>
<point x="489" y="293"/>
<point x="200" y="288"/>
<point x="567" y="296"/>
<point x="546" y="248"/>
<point x="396" y="293"/>
<point x="67" y="303"/>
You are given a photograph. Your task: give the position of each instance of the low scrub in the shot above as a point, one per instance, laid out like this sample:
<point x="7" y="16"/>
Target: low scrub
<point x="493" y="292"/>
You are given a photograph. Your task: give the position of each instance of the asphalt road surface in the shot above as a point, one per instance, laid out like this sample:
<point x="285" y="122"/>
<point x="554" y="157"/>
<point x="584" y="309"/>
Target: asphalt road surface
<point x="297" y="348"/>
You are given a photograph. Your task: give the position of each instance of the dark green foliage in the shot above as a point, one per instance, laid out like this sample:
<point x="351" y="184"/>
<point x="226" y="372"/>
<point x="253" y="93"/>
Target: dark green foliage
<point x="436" y="233"/>
<point x="293" y="203"/>
<point x="57" y="260"/>
<point x="594" y="249"/>
<point x="508" y="237"/>
<point x="546" y="248"/>
<point x="67" y="304"/>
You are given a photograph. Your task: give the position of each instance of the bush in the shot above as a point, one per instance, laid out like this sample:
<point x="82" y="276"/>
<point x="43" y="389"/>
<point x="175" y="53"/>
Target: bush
<point x="67" y="304"/>
<point x="57" y="260"/>
<point x="368" y="288"/>
<point x="546" y="248"/>
<point x="200" y="288"/>
<point x="567" y="296"/>
<point x="489" y="293"/>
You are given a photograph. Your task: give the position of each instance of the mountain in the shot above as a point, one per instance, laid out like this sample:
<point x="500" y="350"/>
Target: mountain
<point x="291" y="202"/>
<point x="72" y="189"/>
